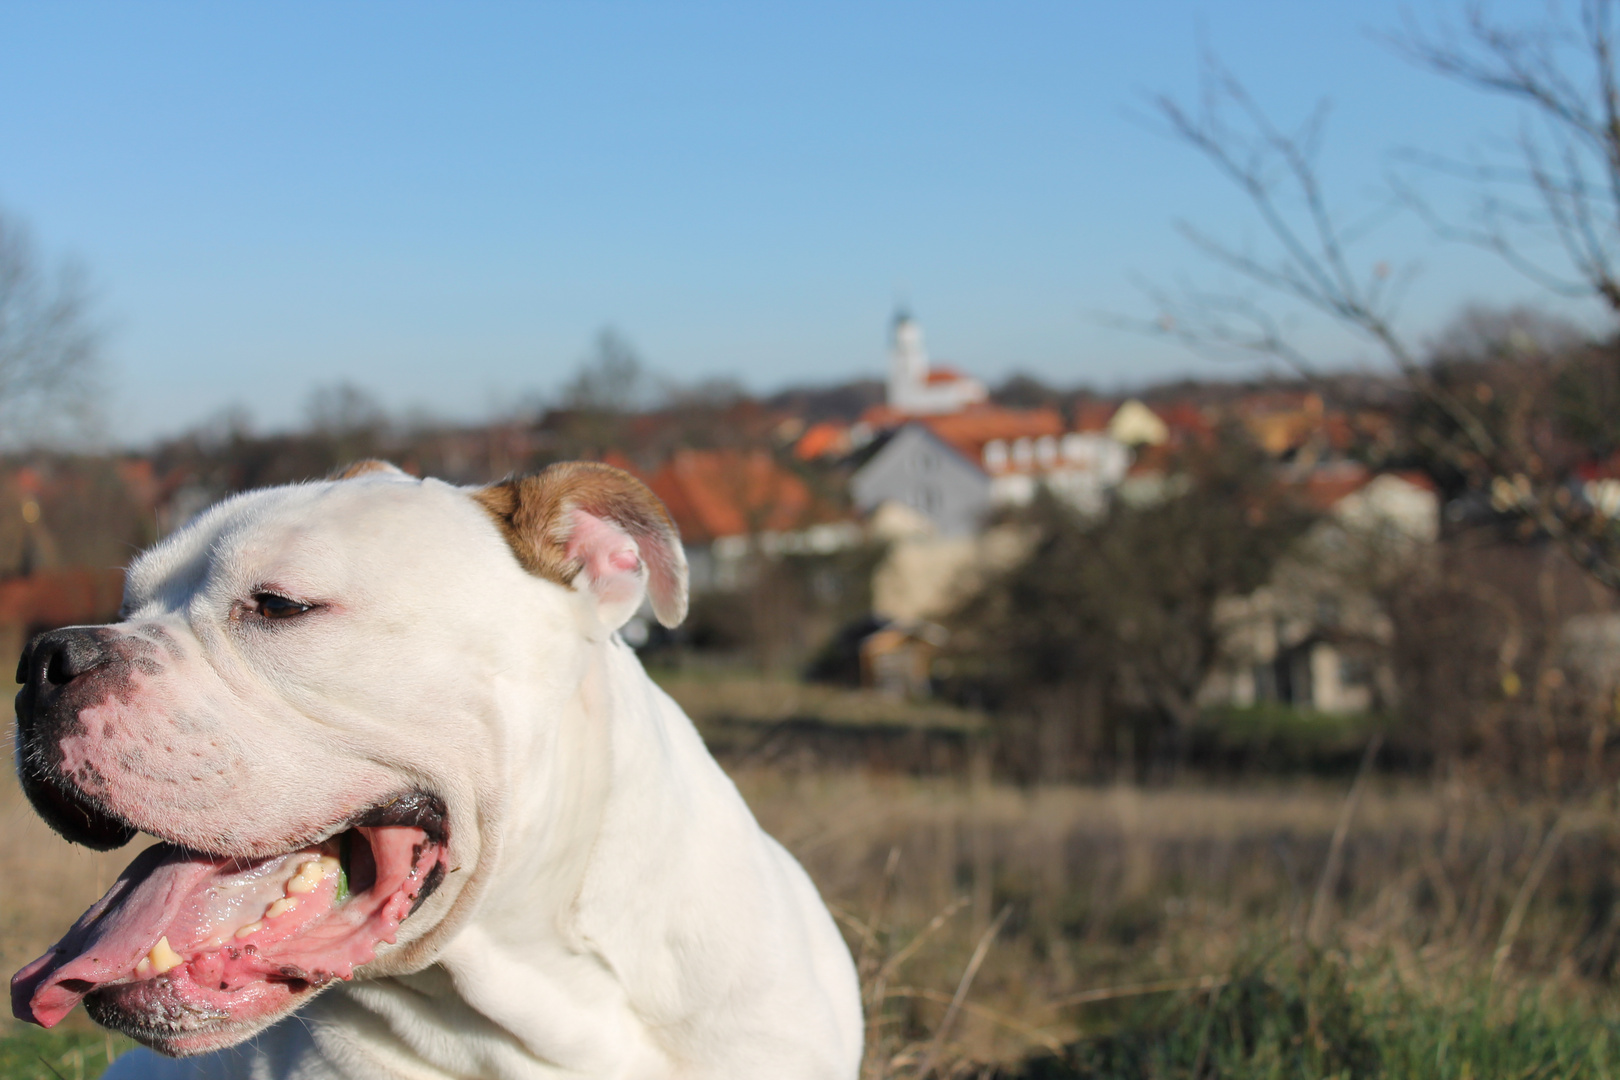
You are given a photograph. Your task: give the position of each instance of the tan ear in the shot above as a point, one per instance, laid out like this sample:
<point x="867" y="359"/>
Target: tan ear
<point x="584" y="517"/>
<point x="361" y="468"/>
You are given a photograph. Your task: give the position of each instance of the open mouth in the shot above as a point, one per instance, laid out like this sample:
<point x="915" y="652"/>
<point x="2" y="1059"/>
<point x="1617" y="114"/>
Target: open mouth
<point x="187" y="949"/>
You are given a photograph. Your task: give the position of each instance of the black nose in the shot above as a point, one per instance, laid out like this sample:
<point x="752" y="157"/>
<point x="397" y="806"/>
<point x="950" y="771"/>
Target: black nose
<point x="58" y="657"/>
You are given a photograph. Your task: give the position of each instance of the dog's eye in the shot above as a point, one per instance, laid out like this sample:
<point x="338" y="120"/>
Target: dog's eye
<point x="271" y="606"/>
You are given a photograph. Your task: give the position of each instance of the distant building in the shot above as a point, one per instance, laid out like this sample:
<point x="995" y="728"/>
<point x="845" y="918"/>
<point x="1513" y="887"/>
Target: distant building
<point x="828" y="439"/>
<point x="729" y="504"/>
<point x="955" y="469"/>
<point x="919" y="470"/>
<point x="897" y="659"/>
<point x="1134" y="424"/>
<point x="916" y="386"/>
<point x="1318" y="637"/>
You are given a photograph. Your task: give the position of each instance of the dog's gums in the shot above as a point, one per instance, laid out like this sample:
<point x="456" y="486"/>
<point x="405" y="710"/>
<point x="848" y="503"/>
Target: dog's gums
<point x="186" y="948"/>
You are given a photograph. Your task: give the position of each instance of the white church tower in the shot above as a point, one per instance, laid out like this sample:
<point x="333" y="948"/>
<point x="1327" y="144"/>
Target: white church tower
<point x="918" y="388"/>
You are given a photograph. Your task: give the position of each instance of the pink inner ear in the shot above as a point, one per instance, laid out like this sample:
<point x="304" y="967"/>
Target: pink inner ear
<point x="609" y="557"/>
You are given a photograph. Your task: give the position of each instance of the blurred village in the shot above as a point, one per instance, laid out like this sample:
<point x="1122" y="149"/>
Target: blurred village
<point x="911" y="570"/>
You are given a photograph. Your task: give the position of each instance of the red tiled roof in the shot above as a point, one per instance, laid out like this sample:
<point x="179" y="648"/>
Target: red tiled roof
<point x="1324" y="488"/>
<point x="1185" y="418"/>
<point x="970" y="429"/>
<point x="716" y="493"/>
<point x="1417" y="479"/>
<point x="940" y="373"/>
<point x="620" y="461"/>
<point x="1093" y="416"/>
<point x="820" y="440"/>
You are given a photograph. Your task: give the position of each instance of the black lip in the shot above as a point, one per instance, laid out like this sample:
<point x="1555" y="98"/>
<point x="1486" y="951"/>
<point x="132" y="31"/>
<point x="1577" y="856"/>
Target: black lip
<point x="416" y="809"/>
<point x="79" y="819"/>
<point x="420" y="810"/>
<point x="72" y="813"/>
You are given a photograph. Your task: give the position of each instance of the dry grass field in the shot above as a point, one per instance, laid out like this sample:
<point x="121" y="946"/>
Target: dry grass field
<point x="1123" y="931"/>
<point x="1109" y="928"/>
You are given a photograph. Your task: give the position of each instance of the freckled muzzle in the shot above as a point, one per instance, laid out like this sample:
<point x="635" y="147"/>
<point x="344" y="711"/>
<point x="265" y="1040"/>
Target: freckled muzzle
<point x="190" y="951"/>
<point x="61" y="673"/>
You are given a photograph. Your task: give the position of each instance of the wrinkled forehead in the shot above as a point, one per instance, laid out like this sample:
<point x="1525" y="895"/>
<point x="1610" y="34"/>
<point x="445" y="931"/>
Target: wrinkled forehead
<point x="318" y="540"/>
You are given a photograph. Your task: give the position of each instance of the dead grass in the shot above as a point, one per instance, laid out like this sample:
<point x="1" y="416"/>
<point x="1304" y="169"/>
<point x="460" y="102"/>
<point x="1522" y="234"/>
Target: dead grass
<point x="1106" y="899"/>
<point x="993" y="923"/>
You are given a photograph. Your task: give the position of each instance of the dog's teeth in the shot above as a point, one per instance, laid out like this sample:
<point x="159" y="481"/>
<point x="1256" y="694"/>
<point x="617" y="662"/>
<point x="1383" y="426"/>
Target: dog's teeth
<point x="280" y="907"/>
<point x="143" y="968"/>
<point x="310" y="875"/>
<point x="250" y="929"/>
<point x="162" y="957"/>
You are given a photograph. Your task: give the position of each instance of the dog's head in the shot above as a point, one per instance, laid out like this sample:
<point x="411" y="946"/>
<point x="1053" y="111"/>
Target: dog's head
<point x="316" y="699"/>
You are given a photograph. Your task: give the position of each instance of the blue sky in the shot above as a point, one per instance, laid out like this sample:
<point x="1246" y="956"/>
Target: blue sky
<point x="443" y="203"/>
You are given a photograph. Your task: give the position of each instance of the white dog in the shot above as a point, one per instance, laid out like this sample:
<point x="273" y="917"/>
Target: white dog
<point x="387" y="732"/>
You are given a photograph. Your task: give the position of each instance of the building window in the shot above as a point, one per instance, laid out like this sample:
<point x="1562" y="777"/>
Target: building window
<point x="995" y="455"/>
<point x="1355" y="671"/>
<point x="1023" y="454"/>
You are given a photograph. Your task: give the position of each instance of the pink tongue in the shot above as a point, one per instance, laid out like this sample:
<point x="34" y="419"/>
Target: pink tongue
<point x="109" y="940"/>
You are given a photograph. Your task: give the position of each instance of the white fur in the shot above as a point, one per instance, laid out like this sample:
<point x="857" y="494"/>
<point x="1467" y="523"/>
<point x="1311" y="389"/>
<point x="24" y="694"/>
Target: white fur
<point x="614" y="910"/>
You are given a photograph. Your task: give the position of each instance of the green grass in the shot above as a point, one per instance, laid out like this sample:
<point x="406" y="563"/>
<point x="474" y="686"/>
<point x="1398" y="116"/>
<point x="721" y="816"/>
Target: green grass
<point x="77" y="1054"/>
<point x="1281" y="739"/>
<point x="1301" y="1015"/>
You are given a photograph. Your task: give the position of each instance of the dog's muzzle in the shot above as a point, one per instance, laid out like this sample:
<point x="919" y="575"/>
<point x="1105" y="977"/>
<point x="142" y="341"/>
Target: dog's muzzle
<point x="61" y="672"/>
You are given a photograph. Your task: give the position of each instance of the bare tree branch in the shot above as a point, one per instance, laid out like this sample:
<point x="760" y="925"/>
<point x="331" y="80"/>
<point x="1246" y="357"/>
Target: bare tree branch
<point x="48" y="344"/>
<point x="1309" y="258"/>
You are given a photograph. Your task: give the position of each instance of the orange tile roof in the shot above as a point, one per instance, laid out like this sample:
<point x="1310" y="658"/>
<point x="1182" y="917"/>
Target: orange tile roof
<point x="820" y="440"/>
<point x="1093" y="416"/>
<point x="1185" y="418"/>
<point x="970" y="429"/>
<point x="620" y="461"/>
<point x="939" y="374"/>
<point x="716" y="493"/>
<point x="1324" y="488"/>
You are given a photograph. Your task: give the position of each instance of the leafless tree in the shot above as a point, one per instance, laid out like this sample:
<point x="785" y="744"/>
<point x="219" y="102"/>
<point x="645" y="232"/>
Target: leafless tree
<point x="48" y="340"/>
<point x="1097" y="644"/>
<point x="1564" y="185"/>
<point x="610" y="380"/>
<point x="1550" y="206"/>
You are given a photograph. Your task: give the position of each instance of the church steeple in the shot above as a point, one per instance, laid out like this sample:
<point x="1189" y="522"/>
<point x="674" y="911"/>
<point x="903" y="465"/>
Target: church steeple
<point x="915" y="385"/>
<point x="908" y="356"/>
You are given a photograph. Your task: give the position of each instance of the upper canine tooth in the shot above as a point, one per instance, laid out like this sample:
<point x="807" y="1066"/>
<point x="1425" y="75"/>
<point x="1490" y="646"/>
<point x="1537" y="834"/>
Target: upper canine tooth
<point x="163" y="957"/>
